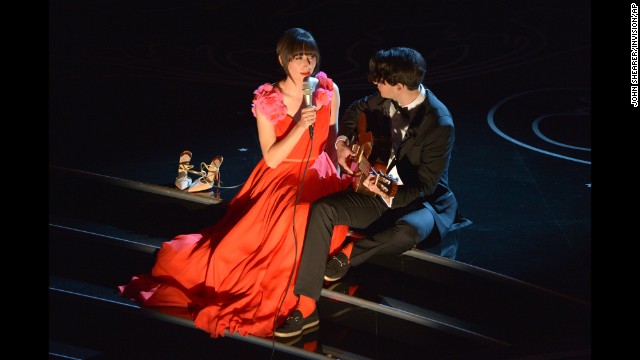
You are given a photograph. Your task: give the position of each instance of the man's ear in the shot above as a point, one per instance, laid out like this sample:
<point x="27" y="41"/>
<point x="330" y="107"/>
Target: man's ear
<point x="280" y="60"/>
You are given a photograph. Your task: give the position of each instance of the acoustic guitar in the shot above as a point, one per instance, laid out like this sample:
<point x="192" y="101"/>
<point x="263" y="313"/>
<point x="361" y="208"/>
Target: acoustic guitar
<point x="362" y="147"/>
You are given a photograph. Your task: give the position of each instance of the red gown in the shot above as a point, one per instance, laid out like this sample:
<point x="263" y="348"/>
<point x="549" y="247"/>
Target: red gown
<point x="233" y="275"/>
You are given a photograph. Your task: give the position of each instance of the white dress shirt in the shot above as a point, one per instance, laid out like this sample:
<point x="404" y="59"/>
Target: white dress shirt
<point x="399" y="126"/>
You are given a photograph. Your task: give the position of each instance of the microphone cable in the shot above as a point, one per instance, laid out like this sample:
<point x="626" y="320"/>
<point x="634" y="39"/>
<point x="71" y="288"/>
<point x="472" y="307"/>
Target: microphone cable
<point x="295" y="254"/>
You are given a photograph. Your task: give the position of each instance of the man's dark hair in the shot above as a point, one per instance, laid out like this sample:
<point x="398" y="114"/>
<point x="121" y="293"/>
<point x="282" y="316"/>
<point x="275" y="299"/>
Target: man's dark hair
<point x="397" y="65"/>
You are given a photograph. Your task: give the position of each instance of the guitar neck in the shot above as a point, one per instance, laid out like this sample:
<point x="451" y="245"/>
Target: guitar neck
<point x="364" y="165"/>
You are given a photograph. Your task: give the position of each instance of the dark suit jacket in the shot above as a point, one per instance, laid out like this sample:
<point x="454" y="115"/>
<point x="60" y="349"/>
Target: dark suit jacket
<point x="422" y="159"/>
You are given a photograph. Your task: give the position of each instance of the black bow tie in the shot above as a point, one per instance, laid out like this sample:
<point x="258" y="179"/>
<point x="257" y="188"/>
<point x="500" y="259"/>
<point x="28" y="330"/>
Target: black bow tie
<point x="403" y="110"/>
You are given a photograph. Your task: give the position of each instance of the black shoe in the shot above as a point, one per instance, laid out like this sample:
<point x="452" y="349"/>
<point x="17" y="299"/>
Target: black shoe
<point x="337" y="267"/>
<point x="301" y="341"/>
<point x="296" y="323"/>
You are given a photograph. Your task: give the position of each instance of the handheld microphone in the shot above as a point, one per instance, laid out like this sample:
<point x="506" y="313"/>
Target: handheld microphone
<point x="306" y="92"/>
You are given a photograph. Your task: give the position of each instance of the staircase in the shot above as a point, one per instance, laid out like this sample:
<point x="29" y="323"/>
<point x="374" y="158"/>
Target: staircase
<point x="103" y="230"/>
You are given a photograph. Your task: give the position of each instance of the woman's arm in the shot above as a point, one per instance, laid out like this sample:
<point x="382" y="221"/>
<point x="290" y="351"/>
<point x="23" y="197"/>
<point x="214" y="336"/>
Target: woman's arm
<point x="274" y="151"/>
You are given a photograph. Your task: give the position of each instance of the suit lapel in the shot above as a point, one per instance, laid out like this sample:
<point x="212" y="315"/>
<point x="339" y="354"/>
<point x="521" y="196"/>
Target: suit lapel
<point x="418" y="122"/>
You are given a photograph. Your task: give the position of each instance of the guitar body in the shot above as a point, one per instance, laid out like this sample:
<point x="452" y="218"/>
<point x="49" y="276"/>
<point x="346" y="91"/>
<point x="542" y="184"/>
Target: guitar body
<point x="363" y="147"/>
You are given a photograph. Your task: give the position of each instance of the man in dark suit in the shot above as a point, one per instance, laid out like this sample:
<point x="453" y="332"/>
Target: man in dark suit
<point x="412" y="136"/>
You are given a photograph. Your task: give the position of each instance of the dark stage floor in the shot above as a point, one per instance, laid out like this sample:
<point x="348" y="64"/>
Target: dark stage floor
<point x="132" y="84"/>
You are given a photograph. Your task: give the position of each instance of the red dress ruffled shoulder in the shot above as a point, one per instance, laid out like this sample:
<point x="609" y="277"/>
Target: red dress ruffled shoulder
<point x="268" y="99"/>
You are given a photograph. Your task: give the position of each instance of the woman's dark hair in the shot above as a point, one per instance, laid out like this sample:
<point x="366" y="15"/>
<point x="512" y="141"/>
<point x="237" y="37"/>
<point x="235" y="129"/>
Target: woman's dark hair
<point x="397" y="65"/>
<point x="294" y="42"/>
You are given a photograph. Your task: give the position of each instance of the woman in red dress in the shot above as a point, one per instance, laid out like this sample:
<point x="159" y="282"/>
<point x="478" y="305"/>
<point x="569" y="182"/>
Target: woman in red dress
<point x="238" y="274"/>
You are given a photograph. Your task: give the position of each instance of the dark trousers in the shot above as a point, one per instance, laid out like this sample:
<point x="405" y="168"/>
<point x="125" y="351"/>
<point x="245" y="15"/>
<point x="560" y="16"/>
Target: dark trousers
<point x="392" y="232"/>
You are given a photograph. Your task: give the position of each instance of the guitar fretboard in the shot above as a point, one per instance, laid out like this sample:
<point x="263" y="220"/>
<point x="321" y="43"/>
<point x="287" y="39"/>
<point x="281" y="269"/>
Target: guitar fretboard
<point x="364" y="165"/>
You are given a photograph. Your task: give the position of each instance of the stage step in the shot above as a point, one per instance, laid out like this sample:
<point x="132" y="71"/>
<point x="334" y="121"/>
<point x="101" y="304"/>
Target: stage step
<point x="96" y="317"/>
<point x="110" y="260"/>
<point x="58" y="350"/>
<point x="103" y="230"/>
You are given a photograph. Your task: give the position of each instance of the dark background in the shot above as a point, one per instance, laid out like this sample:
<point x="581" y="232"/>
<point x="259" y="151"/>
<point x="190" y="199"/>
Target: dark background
<point x="133" y="83"/>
